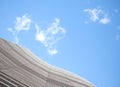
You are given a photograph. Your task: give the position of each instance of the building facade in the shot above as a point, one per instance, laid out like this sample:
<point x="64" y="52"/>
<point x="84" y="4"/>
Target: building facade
<point x="19" y="67"/>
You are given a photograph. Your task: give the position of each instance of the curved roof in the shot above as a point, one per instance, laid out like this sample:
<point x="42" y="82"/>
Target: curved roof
<point x="20" y="67"/>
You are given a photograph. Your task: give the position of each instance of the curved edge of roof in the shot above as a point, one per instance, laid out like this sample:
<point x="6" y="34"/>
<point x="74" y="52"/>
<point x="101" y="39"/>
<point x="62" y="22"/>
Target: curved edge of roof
<point x="51" y="68"/>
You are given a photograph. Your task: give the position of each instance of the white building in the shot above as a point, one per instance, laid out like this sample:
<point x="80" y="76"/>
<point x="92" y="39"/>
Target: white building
<point x="19" y="67"/>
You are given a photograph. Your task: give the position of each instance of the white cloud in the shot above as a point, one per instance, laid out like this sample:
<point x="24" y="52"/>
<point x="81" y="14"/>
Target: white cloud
<point x="41" y="36"/>
<point x="14" y="33"/>
<point x="93" y="13"/>
<point x="11" y="30"/>
<point x="50" y="36"/>
<point x="97" y="14"/>
<point x="105" y="20"/>
<point x="52" y="51"/>
<point x="21" y="23"/>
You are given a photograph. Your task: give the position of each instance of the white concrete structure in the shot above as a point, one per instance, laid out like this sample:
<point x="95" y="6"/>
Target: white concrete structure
<point x="19" y="67"/>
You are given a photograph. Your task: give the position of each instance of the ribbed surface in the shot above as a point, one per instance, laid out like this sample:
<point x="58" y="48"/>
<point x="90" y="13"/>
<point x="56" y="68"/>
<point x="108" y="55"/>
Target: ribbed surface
<point x="19" y="67"/>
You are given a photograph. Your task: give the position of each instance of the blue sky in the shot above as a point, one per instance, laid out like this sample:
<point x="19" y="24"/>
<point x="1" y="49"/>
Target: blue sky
<point x="80" y="36"/>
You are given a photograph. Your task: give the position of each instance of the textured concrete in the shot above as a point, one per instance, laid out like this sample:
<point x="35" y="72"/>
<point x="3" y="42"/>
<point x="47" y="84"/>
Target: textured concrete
<point x="19" y="67"/>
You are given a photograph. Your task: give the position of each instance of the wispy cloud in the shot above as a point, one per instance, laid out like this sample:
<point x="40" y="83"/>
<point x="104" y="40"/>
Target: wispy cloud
<point x="21" y="23"/>
<point x="97" y="15"/>
<point x="50" y="36"/>
<point x="93" y="13"/>
<point x="104" y="20"/>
